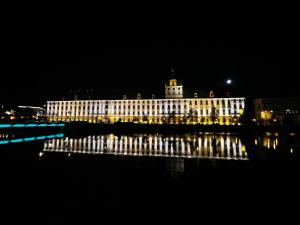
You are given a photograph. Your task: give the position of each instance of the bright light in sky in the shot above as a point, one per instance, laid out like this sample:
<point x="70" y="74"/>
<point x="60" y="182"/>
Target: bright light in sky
<point x="228" y="81"/>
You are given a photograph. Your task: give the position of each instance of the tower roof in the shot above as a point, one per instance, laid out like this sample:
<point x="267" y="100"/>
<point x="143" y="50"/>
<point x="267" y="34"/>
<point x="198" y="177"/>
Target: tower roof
<point x="172" y="73"/>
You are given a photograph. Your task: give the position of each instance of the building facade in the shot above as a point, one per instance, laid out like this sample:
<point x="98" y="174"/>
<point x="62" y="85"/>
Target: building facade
<point x="270" y="111"/>
<point x="174" y="109"/>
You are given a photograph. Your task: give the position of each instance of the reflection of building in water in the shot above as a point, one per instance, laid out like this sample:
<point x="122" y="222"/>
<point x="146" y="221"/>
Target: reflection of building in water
<point x="175" y="166"/>
<point x="267" y="140"/>
<point x="216" y="146"/>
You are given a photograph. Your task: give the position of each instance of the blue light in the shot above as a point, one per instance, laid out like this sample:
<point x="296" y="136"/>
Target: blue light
<point x="43" y="125"/>
<point x="29" y="139"/>
<point x="16" y="140"/>
<point x="31" y="125"/>
<point x="41" y="137"/>
<point x="51" y="136"/>
<point x="5" y="125"/>
<point x="4" y="142"/>
<point x="19" y="125"/>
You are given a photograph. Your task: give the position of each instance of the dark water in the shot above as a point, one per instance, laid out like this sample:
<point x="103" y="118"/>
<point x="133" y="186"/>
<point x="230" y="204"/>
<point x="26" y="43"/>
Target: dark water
<point x="208" y="176"/>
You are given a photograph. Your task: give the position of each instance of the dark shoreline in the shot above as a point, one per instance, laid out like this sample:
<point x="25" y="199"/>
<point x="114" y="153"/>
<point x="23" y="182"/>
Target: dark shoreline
<point x="86" y="128"/>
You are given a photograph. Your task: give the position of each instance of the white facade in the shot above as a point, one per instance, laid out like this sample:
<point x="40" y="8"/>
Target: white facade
<point x="169" y="110"/>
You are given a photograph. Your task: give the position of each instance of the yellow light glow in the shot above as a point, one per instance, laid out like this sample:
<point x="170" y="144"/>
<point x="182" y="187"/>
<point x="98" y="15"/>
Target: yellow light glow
<point x="243" y="148"/>
<point x="173" y="82"/>
<point x="265" y="115"/>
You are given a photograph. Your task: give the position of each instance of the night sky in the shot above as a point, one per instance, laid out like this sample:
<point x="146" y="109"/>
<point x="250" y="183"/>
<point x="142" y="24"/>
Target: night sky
<point x="47" y="52"/>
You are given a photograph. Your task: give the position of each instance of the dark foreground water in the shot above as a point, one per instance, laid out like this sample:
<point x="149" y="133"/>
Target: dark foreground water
<point x="209" y="177"/>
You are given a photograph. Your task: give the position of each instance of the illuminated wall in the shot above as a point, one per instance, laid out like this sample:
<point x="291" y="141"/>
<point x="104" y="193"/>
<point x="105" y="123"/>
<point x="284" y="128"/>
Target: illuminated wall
<point x="190" y="110"/>
<point x="173" y="109"/>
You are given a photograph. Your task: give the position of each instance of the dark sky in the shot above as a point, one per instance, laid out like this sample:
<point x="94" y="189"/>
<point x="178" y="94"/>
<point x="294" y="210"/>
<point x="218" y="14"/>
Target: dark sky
<point x="46" y="52"/>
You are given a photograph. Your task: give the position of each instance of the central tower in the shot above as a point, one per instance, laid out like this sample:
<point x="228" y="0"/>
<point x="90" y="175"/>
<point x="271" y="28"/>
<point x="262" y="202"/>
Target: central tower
<point x="173" y="89"/>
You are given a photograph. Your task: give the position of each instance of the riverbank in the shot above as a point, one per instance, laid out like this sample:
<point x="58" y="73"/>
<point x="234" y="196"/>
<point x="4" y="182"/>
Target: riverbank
<point x="83" y="128"/>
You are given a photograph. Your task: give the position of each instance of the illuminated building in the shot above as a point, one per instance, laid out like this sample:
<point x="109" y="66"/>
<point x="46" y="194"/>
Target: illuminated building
<point x="277" y="110"/>
<point x="174" y="109"/>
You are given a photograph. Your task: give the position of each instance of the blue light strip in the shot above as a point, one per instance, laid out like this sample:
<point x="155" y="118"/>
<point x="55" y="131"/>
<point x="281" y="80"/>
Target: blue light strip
<point x="29" y="139"/>
<point x="51" y="136"/>
<point x="18" y="125"/>
<point x="59" y="135"/>
<point x="41" y="137"/>
<point x="32" y="125"/>
<point x="17" y="140"/>
<point x="43" y="125"/>
<point x="5" y="125"/>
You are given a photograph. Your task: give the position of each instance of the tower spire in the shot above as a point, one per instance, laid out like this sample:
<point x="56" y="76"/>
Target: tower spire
<point x="172" y="73"/>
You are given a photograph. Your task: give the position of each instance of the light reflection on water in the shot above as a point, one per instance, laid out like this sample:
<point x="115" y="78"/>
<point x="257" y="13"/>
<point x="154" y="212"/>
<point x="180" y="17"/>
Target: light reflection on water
<point x="199" y="145"/>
